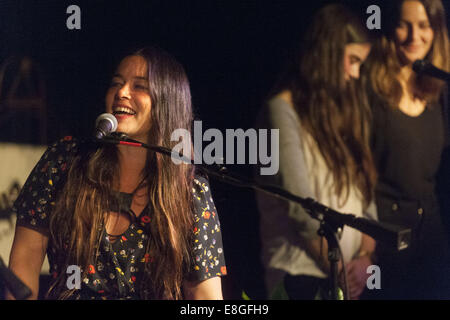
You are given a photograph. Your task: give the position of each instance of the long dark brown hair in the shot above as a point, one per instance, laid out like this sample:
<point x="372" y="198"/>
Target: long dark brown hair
<point x="334" y="110"/>
<point x="78" y="221"/>
<point x="384" y="64"/>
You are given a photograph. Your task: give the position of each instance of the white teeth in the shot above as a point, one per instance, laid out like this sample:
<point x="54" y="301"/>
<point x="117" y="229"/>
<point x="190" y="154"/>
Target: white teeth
<point x="124" y="110"/>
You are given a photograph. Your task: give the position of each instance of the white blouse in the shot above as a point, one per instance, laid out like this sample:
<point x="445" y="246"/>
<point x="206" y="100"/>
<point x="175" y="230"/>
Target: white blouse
<point x="302" y="172"/>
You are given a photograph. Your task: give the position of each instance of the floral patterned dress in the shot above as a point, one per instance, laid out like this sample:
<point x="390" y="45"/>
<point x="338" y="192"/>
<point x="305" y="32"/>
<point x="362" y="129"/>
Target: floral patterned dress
<point x="119" y="266"/>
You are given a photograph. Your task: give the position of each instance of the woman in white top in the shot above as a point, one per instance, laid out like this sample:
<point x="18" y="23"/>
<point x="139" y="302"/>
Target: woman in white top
<point x="324" y="154"/>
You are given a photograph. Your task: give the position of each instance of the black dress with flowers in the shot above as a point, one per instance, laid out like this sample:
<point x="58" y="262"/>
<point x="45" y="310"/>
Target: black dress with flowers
<point x="119" y="266"/>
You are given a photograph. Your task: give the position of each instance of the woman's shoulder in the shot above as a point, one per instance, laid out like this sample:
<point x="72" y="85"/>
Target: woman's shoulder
<point x="200" y="183"/>
<point x="282" y="99"/>
<point x="36" y="200"/>
<point x="280" y="112"/>
<point x="285" y="95"/>
<point x="60" y="152"/>
<point x="66" y="144"/>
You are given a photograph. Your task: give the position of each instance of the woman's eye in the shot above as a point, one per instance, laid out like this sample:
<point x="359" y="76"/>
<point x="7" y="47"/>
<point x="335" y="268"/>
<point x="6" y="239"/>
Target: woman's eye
<point x="402" y="25"/>
<point x="424" y="25"/>
<point x="141" y="87"/>
<point x="354" y="60"/>
<point x="114" y="84"/>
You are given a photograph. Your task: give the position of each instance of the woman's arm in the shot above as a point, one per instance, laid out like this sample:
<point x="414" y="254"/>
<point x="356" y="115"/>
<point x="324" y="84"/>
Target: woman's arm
<point x="210" y="289"/>
<point x="356" y="269"/>
<point x="368" y="245"/>
<point x="26" y="258"/>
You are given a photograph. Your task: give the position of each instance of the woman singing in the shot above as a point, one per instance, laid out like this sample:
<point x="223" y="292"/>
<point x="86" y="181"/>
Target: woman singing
<point x="324" y="154"/>
<point x="137" y="225"/>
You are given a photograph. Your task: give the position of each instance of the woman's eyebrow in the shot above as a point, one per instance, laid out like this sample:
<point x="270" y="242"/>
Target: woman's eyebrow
<point x="141" y="78"/>
<point x="118" y="75"/>
<point x="424" y="20"/>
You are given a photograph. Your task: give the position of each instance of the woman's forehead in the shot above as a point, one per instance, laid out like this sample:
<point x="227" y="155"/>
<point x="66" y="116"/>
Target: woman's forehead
<point x="133" y="65"/>
<point x="413" y="10"/>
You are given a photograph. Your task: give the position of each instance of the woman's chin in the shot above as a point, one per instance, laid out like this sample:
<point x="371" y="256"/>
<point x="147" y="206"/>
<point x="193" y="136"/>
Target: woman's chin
<point x="123" y="129"/>
<point x="408" y="58"/>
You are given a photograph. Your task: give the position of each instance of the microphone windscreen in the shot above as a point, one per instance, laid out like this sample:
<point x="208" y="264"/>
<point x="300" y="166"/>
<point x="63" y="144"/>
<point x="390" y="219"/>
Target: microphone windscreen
<point x="105" y="124"/>
<point x="419" y="66"/>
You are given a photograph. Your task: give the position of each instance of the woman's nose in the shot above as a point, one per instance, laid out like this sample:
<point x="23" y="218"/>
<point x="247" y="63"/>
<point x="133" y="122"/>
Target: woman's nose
<point x="123" y="92"/>
<point x="414" y="33"/>
<point x="354" y="72"/>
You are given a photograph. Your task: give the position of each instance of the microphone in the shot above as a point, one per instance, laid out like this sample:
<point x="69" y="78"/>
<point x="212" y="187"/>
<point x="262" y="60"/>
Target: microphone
<point x="104" y="125"/>
<point x="426" y="68"/>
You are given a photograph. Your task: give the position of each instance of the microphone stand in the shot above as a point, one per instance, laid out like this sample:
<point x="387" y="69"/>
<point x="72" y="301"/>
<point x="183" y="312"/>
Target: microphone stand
<point x="426" y="68"/>
<point x="330" y="230"/>
<point x="331" y="221"/>
<point x="17" y="288"/>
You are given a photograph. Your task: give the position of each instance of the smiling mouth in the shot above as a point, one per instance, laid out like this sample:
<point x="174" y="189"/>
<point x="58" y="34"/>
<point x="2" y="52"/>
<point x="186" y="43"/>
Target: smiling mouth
<point x="120" y="110"/>
<point x="413" y="48"/>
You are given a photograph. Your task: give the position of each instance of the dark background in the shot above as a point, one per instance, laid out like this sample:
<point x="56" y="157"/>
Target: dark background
<point x="232" y="52"/>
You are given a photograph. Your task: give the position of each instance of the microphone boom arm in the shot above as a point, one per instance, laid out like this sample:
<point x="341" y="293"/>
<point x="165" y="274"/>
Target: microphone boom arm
<point x="330" y="220"/>
<point x="394" y="236"/>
